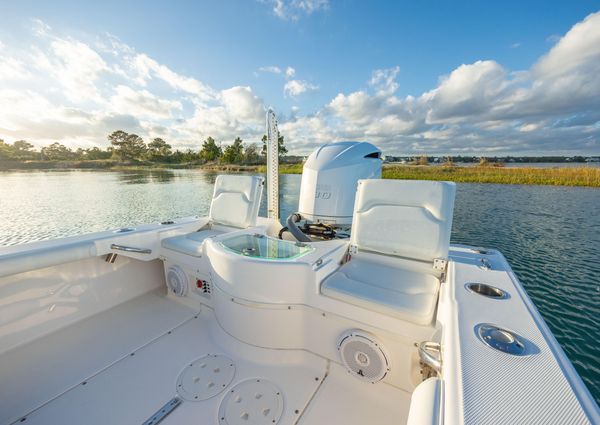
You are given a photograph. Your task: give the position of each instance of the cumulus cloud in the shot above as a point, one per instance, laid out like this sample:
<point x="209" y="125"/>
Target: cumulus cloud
<point x="294" y="88"/>
<point x="142" y="103"/>
<point x="77" y="92"/>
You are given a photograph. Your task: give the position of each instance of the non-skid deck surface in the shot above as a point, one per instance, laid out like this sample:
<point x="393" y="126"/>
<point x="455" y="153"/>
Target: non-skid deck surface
<point x="37" y="372"/>
<point x="136" y="386"/>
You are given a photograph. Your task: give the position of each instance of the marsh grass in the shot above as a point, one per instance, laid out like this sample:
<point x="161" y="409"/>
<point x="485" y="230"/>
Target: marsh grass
<point x="559" y="176"/>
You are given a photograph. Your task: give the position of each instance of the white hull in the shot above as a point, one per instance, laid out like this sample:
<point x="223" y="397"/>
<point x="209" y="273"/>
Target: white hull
<point x="115" y="328"/>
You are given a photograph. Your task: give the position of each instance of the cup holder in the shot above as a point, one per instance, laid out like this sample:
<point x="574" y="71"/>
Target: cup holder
<point x="487" y="290"/>
<point x="502" y="339"/>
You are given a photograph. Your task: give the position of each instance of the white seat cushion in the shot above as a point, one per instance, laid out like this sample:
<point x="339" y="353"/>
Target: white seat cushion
<point x="236" y="200"/>
<point x="406" y="218"/>
<point x="190" y="244"/>
<point x="405" y="294"/>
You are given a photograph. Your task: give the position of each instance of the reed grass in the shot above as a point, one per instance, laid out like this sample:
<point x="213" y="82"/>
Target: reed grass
<point x="559" y="176"/>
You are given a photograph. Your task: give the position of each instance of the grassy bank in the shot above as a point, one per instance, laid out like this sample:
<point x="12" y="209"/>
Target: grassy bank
<point x="559" y="176"/>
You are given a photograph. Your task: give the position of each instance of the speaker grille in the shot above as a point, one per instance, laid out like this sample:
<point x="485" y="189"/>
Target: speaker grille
<point x="363" y="356"/>
<point x="177" y="281"/>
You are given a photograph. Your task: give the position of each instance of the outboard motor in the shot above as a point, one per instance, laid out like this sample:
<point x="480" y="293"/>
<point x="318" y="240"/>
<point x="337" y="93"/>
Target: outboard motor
<point x="328" y="188"/>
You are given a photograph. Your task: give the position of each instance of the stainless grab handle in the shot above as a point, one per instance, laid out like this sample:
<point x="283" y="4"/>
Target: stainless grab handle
<point x="430" y="353"/>
<point x="131" y="249"/>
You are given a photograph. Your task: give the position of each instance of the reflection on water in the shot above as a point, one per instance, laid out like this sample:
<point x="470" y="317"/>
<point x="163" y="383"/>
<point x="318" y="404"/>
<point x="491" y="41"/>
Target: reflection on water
<point x="550" y="235"/>
<point x="145" y="177"/>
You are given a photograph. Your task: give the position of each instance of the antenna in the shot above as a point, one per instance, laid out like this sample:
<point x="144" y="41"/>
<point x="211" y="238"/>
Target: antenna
<point x="272" y="165"/>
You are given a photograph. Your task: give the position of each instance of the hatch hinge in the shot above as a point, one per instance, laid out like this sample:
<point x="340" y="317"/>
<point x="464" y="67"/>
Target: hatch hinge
<point x="440" y="264"/>
<point x="353" y="250"/>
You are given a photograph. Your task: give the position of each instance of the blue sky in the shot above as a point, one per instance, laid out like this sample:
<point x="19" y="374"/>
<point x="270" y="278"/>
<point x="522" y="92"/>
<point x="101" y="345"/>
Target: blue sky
<point x="412" y="77"/>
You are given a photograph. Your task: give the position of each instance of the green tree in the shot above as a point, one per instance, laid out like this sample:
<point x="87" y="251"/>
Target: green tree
<point x="97" y="153"/>
<point x="5" y="150"/>
<point x="158" y="149"/>
<point x="282" y="149"/>
<point x="57" y="152"/>
<point x="251" y="154"/>
<point x="234" y="153"/>
<point x="22" y="150"/>
<point x="127" y="146"/>
<point x="210" y="150"/>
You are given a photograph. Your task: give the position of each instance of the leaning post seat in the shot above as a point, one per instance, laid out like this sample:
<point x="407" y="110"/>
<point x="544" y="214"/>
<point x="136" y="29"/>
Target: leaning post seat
<point x="234" y="205"/>
<point x="399" y="245"/>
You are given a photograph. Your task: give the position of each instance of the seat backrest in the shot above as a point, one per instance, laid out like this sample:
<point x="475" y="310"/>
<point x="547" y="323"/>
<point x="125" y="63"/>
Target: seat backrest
<point x="406" y="218"/>
<point x="236" y="200"/>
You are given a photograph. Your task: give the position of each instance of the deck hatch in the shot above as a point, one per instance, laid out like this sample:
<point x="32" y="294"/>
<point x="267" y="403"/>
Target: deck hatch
<point x="205" y="377"/>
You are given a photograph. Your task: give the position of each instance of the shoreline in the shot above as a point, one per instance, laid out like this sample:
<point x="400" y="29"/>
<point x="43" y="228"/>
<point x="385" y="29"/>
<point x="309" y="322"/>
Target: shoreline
<point x="557" y="176"/>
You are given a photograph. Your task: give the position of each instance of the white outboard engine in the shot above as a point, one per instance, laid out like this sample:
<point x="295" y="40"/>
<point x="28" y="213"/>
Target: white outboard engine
<point x="328" y="188"/>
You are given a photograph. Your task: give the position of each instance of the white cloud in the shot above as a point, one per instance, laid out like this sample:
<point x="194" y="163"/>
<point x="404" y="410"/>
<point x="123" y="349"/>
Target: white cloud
<point x="515" y="45"/>
<point x="271" y="69"/>
<point x="296" y="87"/>
<point x="243" y="104"/>
<point x="148" y="68"/>
<point x="75" y="92"/>
<point x="142" y="103"/>
<point x="384" y="80"/>
<point x="293" y="9"/>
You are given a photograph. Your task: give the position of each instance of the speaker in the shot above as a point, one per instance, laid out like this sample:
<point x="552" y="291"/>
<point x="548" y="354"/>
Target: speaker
<point x="177" y="281"/>
<point x="363" y="356"/>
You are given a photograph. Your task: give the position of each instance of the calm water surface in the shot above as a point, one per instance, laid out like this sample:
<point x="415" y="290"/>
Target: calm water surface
<point x="550" y="235"/>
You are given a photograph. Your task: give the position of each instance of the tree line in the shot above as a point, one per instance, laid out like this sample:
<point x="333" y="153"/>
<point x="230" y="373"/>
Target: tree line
<point x="131" y="147"/>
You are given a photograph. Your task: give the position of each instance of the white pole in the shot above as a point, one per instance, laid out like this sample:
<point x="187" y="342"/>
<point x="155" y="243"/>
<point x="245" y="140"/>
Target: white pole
<point x="272" y="165"/>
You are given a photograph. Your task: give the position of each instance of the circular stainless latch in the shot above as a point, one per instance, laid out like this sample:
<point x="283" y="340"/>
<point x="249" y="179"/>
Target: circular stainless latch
<point x="501" y="339"/>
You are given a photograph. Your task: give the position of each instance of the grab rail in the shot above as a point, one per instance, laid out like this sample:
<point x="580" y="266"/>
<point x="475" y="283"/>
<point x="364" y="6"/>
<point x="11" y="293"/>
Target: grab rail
<point x="130" y="249"/>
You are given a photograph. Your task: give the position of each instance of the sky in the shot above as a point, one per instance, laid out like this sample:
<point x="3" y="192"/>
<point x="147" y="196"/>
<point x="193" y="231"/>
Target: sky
<point x="428" y="77"/>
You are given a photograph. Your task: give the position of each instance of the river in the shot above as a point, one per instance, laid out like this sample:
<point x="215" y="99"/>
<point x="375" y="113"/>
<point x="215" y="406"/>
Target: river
<point x="550" y="235"/>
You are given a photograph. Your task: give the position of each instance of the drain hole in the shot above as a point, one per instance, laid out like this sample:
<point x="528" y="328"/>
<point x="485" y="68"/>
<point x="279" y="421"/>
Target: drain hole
<point x="487" y="290"/>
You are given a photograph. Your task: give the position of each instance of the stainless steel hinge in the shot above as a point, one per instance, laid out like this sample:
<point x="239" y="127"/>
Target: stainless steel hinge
<point x="440" y="264"/>
<point x="353" y="249"/>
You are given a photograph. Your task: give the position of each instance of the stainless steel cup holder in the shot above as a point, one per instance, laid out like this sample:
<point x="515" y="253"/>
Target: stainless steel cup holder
<point x="502" y="339"/>
<point x="487" y="290"/>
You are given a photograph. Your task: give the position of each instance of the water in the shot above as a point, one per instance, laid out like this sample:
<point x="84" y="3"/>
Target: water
<point x="550" y="235"/>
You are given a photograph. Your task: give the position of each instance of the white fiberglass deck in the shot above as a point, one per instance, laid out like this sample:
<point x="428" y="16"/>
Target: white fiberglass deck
<point x="127" y="360"/>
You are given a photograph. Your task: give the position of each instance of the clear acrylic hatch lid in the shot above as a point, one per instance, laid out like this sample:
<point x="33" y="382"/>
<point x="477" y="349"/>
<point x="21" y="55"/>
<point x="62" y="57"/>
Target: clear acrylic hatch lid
<point x="265" y="247"/>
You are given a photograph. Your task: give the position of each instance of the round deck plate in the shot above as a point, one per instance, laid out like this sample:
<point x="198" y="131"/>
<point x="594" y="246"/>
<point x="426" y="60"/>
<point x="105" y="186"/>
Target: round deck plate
<point x="205" y="377"/>
<point x="501" y="339"/>
<point x="254" y="401"/>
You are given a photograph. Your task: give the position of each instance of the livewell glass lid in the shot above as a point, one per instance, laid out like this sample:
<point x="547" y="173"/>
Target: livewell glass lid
<point x="265" y="247"/>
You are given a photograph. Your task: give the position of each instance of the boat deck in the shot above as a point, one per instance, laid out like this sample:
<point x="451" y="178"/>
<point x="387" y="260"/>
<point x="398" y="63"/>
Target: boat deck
<point x="121" y="366"/>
